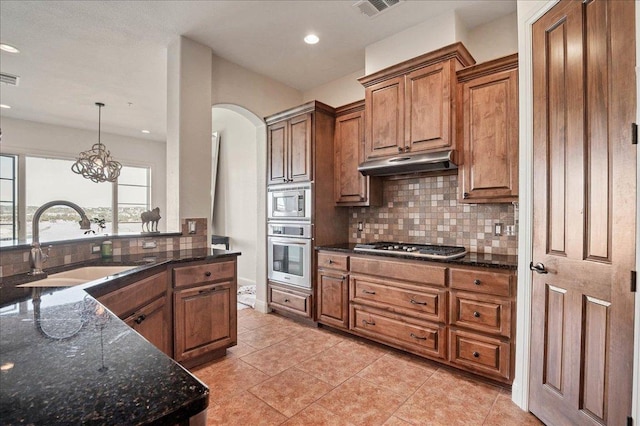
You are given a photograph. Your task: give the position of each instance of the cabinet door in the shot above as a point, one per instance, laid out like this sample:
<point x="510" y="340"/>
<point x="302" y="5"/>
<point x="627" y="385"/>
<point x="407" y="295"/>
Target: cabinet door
<point x="153" y="323"/>
<point x="300" y="149"/>
<point x="202" y="319"/>
<point x="333" y="298"/>
<point x="350" y="184"/>
<point x="384" y="106"/>
<point x="428" y="108"/>
<point x="490" y="138"/>
<point x="277" y="153"/>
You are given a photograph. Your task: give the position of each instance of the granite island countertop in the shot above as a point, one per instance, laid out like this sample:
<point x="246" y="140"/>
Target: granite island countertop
<point x="483" y="260"/>
<point x="65" y="359"/>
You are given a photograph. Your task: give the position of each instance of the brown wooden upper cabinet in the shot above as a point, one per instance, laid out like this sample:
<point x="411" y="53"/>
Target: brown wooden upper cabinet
<point x="351" y="187"/>
<point x="289" y="150"/>
<point x="489" y="137"/>
<point x="410" y="107"/>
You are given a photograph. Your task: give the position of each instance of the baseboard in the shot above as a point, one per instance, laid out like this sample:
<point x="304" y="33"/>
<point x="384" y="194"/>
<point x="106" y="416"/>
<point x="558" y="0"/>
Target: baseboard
<point x="262" y="306"/>
<point x="245" y="281"/>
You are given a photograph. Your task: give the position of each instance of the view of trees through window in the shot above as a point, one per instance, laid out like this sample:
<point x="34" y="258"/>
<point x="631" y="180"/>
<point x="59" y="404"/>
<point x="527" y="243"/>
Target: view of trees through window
<point x="49" y="179"/>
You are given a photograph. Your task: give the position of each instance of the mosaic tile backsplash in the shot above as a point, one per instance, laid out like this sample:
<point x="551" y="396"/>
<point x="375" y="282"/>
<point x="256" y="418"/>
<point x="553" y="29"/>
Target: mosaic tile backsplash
<point x="425" y="210"/>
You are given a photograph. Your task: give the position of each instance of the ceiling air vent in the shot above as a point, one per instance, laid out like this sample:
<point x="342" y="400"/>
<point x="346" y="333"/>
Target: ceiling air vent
<point x="373" y="8"/>
<point x="11" y="80"/>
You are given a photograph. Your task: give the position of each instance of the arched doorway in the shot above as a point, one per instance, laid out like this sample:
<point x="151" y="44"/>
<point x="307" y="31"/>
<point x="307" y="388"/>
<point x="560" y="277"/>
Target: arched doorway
<point x="239" y="205"/>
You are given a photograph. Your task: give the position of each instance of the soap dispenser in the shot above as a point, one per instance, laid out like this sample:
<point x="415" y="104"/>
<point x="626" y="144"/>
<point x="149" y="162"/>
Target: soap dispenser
<point x="106" y="249"/>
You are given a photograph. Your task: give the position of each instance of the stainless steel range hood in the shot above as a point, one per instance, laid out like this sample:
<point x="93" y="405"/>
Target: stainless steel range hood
<point x="408" y="163"/>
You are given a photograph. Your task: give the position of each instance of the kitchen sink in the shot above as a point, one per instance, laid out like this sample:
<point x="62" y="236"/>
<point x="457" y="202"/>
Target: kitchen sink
<point x="77" y="276"/>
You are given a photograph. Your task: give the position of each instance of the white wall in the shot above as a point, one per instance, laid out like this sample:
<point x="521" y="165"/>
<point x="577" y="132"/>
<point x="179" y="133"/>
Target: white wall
<point x="263" y="96"/>
<point x="237" y="202"/>
<point x="338" y="92"/>
<point x="493" y="39"/>
<point x="39" y="139"/>
<point x="189" y="99"/>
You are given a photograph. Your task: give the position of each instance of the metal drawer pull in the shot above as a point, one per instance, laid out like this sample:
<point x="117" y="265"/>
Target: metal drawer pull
<point x="366" y="323"/>
<point x="368" y="292"/>
<point x="415" y="302"/>
<point x="476" y="282"/>
<point x="476" y="314"/>
<point x="476" y="355"/>
<point x="207" y="274"/>
<point x="207" y="291"/>
<point x="140" y="319"/>
<point x="417" y="337"/>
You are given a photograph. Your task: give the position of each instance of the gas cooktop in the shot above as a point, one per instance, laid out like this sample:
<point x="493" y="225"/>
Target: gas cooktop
<point x="427" y="251"/>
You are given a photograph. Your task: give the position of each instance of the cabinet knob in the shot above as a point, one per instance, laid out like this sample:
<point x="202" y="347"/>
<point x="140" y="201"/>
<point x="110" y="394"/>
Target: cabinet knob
<point x="399" y="149"/>
<point x="465" y="195"/>
<point x="476" y="355"/>
<point x="407" y="148"/>
<point x="286" y="300"/>
<point x="140" y="319"/>
<point x="330" y="261"/>
<point x="476" y="282"/>
<point x="476" y="314"/>
<point x="207" y="274"/>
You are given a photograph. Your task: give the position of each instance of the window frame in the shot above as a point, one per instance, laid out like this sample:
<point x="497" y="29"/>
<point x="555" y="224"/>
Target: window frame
<point x="21" y="207"/>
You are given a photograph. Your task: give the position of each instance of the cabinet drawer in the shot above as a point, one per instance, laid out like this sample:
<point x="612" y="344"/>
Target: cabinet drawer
<point x="420" y="301"/>
<point x="414" y="271"/>
<point x="333" y="261"/>
<point x="289" y="300"/>
<point x="209" y="272"/>
<point x="480" y="353"/>
<point x="126" y="300"/>
<point x="412" y="335"/>
<point x="481" y="281"/>
<point x="491" y="315"/>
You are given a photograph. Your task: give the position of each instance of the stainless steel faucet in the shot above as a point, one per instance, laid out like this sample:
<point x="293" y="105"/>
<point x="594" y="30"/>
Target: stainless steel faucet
<point x="36" y="256"/>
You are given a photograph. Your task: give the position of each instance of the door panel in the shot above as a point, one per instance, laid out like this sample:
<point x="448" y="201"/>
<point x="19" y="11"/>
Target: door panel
<point x="351" y="185"/>
<point x="584" y="213"/>
<point x="276" y="147"/>
<point x="384" y="109"/>
<point x="300" y="158"/>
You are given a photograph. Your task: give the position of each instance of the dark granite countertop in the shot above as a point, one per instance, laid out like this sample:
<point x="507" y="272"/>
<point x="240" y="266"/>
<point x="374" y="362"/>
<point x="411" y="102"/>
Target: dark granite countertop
<point x="65" y="359"/>
<point x="483" y="260"/>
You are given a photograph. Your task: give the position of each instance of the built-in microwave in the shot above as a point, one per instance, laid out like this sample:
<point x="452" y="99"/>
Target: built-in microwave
<point x="289" y="202"/>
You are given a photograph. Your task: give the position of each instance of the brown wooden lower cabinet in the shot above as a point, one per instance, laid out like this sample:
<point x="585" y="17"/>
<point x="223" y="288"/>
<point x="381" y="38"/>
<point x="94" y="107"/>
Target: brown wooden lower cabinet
<point x="202" y="320"/>
<point x="143" y="306"/>
<point x="457" y="315"/>
<point x="411" y="334"/>
<point x="287" y="299"/>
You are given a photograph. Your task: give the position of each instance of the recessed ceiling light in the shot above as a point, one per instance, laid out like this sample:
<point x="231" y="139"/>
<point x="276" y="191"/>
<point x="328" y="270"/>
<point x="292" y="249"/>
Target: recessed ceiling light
<point x="3" y="106"/>
<point x="146" y="132"/>
<point x="8" y="48"/>
<point x="311" y="39"/>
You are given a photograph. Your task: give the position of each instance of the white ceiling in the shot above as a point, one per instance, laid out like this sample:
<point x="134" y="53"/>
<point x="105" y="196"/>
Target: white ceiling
<point x="75" y="53"/>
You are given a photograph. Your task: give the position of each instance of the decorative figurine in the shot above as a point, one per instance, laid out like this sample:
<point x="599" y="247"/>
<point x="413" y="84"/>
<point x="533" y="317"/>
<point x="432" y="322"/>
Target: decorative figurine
<point x="150" y="217"/>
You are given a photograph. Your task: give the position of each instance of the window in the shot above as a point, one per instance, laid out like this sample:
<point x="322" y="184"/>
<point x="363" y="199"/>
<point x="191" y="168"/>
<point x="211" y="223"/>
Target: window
<point x="47" y="179"/>
<point x="133" y="198"/>
<point x="8" y="198"/>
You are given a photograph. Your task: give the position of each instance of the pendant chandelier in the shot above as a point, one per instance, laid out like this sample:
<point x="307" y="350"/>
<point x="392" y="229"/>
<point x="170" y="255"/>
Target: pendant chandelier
<point x="96" y="164"/>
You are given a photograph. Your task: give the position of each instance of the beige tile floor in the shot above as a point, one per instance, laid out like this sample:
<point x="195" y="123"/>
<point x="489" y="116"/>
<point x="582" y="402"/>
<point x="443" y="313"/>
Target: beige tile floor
<point x="282" y="372"/>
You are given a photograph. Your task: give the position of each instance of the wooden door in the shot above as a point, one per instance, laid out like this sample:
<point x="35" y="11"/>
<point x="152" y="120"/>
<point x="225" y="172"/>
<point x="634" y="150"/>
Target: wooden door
<point x="384" y="106"/>
<point x="277" y="153"/>
<point x="202" y="320"/>
<point x="333" y="298"/>
<point x="152" y="322"/>
<point x="584" y="213"/>
<point x="490" y="133"/>
<point x="300" y="148"/>
<point x="428" y="102"/>
<point x="350" y="184"/>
